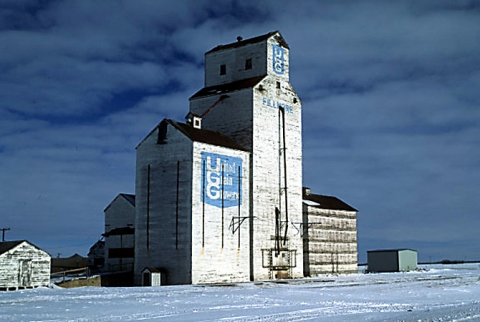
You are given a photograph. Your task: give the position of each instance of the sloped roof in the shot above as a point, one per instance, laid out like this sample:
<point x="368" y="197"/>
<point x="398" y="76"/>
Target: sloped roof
<point x="120" y="231"/>
<point x="153" y="269"/>
<point x="204" y="136"/>
<point x="326" y="202"/>
<point x="76" y="256"/>
<point x="100" y="244"/>
<point x="229" y="87"/>
<point x="243" y="42"/>
<point x="6" y="246"/>
<point x="130" y="198"/>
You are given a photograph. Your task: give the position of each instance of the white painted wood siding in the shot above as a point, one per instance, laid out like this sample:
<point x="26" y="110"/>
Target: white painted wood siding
<point x="330" y="243"/>
<point x="251" y="116"/>
<point x="159" y="241"/>
<point x="24" y="266"/>
<point x="119" y="213"/>
<point x="188" y="250"/>
<point x="213" y="263"/>
<point x="234" y="61"/>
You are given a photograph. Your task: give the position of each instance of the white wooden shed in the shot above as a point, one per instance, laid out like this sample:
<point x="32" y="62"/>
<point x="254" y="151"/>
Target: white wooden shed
<point x="23" y="265"/>
<point x="152" y="276"/>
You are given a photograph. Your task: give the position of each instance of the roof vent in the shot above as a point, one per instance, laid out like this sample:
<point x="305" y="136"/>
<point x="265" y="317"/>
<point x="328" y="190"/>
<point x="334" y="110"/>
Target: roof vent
<point x="239" y="38"/>
<point x="307" y="191"/>
<point x="194" y="120"/>
<point x="197" y="122"/>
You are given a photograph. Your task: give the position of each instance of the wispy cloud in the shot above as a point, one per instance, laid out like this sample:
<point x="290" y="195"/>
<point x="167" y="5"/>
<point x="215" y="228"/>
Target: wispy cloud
<point x="389" y="91"/>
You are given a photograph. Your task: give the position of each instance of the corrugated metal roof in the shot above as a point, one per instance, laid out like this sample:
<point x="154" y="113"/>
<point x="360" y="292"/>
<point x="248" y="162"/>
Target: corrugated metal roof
<point x="204" y="136"/>
<point x="229" y="87"/>
<point x="243" y="42"/>
<point x="327" y="202"/>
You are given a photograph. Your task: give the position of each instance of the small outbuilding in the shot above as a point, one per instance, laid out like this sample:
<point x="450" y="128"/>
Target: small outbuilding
<point x="152" y="276"/>
<point x="392" y="260"/>
<point x="120" y="234"/>
<point x="329" y="231"/>
<point x="96" y="256"/>
<point x="23" y="265"/>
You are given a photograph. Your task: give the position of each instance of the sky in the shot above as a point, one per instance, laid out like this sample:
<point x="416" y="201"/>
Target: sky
<point x="389" y="90"/>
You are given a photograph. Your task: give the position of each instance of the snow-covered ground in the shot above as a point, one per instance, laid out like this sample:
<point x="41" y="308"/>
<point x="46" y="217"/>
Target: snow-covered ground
<point x="439" y="293"/>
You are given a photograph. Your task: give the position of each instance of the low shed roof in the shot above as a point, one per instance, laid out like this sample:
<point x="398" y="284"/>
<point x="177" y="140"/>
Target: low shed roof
<point x="390" y="250"/>
<point x="326" y="202"/>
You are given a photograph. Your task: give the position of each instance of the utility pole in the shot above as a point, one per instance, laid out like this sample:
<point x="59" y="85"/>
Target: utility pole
<point x="3" y="233"/>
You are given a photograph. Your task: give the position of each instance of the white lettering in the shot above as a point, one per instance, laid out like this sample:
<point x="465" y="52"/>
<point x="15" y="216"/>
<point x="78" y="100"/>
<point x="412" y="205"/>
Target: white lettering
<point x="230" y="195"/>
<point x="213" y="179"/>
<point x="209" y="165"/>
<point x="213" y="185"/>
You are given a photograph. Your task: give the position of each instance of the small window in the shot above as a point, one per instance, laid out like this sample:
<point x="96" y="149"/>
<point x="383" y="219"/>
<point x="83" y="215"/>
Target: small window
<point x="278" y="84"/>
<point x="248" y="64"/>
<point x="223" y="69"/>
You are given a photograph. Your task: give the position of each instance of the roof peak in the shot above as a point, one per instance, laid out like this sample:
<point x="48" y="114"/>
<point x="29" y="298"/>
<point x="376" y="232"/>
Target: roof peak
<point x="243" y="42"/>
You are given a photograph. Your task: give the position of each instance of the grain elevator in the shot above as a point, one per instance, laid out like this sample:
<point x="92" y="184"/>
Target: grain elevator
<point x="218" y="196"/>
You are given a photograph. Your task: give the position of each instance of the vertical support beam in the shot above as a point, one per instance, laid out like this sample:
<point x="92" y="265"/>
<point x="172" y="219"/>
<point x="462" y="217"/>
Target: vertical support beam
<point x="223" y="206"/>
<point x="176" y="204"/>
<point x="148" y="207"/>
<point x="251" y="214"/>
<point x="282" y="109"/>
<point x="277" y="231"/>
<point x="203" y="203"/>
<point x="239" y="200"/>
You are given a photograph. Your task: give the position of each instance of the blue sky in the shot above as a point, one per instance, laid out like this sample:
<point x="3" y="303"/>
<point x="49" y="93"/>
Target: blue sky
<point x="390" y="93"/>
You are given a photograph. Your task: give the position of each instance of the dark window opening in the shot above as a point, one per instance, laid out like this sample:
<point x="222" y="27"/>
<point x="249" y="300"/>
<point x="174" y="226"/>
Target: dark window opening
<point x="223" y="69"/>
<point x="121" y="253"/>
<point x="278" y="84"/>
<point x="147" y="281"/>
<point x="248" y="63"/>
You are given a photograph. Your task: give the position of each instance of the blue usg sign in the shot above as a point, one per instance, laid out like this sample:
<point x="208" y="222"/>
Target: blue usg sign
<point x="221" y="180"/>
<point x="278" y="59"/>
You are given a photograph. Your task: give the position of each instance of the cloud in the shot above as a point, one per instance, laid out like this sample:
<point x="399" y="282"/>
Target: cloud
<point x="389" y="91"/>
